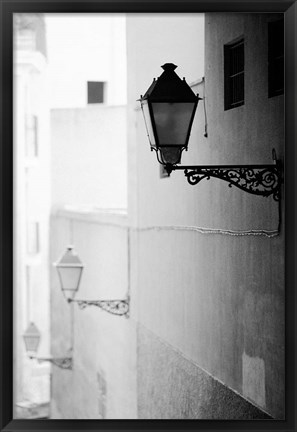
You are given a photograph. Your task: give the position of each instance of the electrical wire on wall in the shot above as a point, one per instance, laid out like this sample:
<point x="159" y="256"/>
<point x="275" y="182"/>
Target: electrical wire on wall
<point x="266" y="233"/>
<point x="128" y="267"/>
<point x="204" y="104"/>
<point x="205" y="114"/>
<point x="201" y="230"/>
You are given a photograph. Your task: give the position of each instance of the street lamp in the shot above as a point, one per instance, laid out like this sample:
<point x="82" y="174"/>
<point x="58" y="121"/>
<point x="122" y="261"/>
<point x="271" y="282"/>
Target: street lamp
<point x="168" y="108"/>
<point x="70" y="269"/>
<point x="32" y="339"/>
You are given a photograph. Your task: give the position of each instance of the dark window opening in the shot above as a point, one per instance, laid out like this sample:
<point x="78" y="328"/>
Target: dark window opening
<point x="234" y="74"/>
<point x="276" y="58"/>
<point x="95" y="92"/>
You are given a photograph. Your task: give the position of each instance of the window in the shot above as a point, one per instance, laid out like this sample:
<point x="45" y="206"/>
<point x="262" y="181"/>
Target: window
<point x="31" y="136"/>
<point x="33" y="238"/>
<point x="234" y="74"/>
<point x="25" y="39"/>
<point x="28" y="298"/>
<point x="276" y="58"/>
<point x="95" y="92"/>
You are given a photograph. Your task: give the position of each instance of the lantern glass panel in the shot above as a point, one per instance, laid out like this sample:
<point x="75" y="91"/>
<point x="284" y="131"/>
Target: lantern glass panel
<point x="31" y="338"/>
<point x="148" y="122"/>
<point x="70" y="278"/>
<point x="170" y="155"/>
<point x="31" y="343"/>
<point x="172" y="121"/>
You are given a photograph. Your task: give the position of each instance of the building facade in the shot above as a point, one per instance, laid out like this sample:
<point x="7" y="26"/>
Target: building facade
<point x="210" y="271"/>
<point x="31" y="210"/>
<point x="102" y="382"/>
<point x="89" y="211"/>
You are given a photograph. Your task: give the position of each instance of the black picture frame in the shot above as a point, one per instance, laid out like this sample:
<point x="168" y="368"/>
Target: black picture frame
<point x="7" y="8"/>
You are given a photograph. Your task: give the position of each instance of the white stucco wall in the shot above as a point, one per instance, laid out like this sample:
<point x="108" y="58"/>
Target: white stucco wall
<point x="31" y="204"/>
<point x="89" y="156"/>
<point x="85" y="47"/>
<point x="102" y="343"/>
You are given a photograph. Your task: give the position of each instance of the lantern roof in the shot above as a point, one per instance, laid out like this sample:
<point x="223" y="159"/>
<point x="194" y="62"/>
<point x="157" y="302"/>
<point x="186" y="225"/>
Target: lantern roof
<point x="69" y="259"/>
<point x="169" y="87"/>
<point x="32" y="330"/>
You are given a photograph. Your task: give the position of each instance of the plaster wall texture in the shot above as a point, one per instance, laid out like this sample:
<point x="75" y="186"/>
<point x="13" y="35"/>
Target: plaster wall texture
<point x="89" y="156"/>
<point x="184" y="391"/>
<point x="153" y="40"/>
<point x="258" y="125"/>
<point x="216" y="298"/>
<point x="103" y="345"/>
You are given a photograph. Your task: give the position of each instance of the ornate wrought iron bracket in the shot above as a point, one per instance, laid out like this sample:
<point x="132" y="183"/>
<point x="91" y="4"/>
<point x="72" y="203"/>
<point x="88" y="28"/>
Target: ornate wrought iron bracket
<point x="264" y="180"/>
<point x="115" y="307"/>
<point x="61" y="362"/>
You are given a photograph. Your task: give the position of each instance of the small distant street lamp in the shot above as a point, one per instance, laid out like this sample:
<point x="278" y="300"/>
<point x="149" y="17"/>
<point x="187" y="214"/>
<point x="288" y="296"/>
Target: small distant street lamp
<point x="69" y="269"/>
<point x="32" y="339"/>
<point x="168" y="108"/>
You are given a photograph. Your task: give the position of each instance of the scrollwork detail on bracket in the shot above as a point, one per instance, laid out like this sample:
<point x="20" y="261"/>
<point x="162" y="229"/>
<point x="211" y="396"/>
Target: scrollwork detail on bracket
<point x="264" y="181"/>
<point x="115" y="307"/>
<point x="61" y="362"/>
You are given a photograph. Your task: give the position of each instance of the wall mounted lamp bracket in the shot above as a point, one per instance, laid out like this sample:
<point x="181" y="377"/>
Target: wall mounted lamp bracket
<point x="70" y="269"/>
<point x="61" y="362"/>
<point x="263" y="180"/>
<point x="169" y="107"/>
<point x="114" y="307"/>
<point x="32" y="338"/>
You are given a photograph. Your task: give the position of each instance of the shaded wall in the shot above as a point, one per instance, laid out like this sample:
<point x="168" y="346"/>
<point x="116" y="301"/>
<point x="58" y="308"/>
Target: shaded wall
<point x="184" y="390"/>
<point x="210" y="277"/>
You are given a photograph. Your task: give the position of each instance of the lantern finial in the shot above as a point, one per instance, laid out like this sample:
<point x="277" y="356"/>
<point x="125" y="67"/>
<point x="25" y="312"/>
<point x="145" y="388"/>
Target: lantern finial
<point x="169" y="67"/>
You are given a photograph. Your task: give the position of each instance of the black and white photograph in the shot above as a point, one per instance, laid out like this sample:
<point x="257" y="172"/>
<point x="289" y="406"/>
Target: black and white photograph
<point x="149" y="216"/>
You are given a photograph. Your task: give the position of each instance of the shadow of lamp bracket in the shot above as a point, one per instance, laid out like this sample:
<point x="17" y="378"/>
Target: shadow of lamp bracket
<point x="70" y="269"/>
<point x="168" y="108"/>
